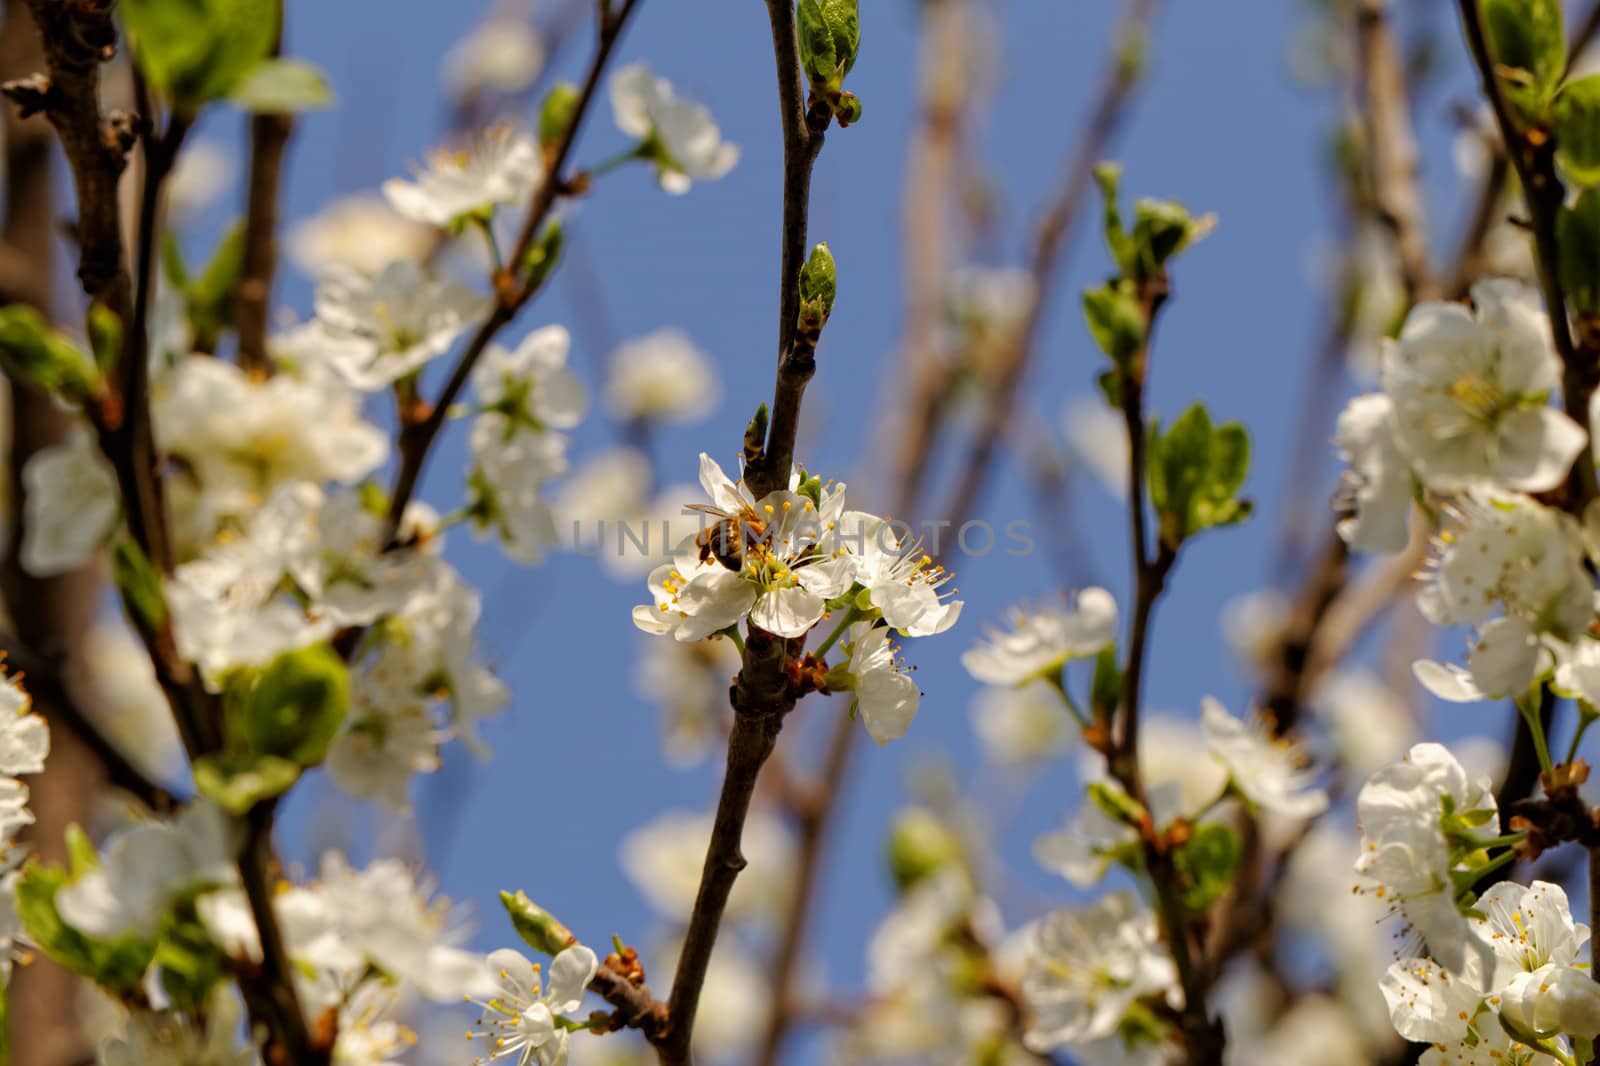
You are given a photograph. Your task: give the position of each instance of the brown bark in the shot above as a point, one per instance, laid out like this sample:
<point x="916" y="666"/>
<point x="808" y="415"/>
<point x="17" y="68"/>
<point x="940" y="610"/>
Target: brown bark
<point x="50" y="614"/>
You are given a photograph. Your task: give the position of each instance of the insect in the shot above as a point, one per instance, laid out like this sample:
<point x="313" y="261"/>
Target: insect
<point x="727" y="539"/>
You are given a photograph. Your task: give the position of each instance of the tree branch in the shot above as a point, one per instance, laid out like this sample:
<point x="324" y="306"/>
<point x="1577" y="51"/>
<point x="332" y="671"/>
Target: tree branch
<point x="269" y="138"/>
<point x="803" y="132"/>
<point x="813" y="811"/>
<point x="1391" y="145"/>
<point x="760" y="695"/>
<point x="1111" y="105"/>
<point x="419" y="428"/>
<point x="1533" y="158"/>
<point x="1202" y="1033"/>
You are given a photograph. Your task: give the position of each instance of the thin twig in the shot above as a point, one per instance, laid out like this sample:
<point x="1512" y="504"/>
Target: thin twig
<point x="1111" y="105"/>
<point x="42" y="678"/>
<point x="803" y="132"/>
<point x="1151" y="564"/>
<point x="1391" y="145"/>
<point x="269" y="138"/>
<point x="512" y="291"/>
<point x="1533" y="158"/>
<point x="813" y="812"/>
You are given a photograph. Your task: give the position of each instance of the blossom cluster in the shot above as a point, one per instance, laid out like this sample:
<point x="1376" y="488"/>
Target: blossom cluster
<point x="786" y="561"/>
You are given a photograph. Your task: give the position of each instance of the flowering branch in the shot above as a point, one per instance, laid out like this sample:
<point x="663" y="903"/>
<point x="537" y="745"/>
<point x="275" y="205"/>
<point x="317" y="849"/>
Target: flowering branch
<point x="1202" y="1033"/>
<point x="917" y="434"/>
<point x="1532" y="155"/>
<point x="761" y="695"/>
<point x="513" y="288"/>
<point x="803" y="130"/>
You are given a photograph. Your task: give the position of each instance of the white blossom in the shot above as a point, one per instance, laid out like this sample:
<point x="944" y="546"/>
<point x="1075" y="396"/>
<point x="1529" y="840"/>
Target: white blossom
<point x="358" y="233"/>
<point x="519" y="1021"/>
<point x="242" y="436"/>
<point x="680" y="137"/>
<point x="498" y="166"/>
<point x="1471" y="389"/>
<point x="502" y="54"/>
<point x="781" y="581"/>
<point x="376" y="330"/>
<point x="1087" y="968"/>
<point x="901" y="579"/>
<point x="1368" y="722"/>
<point x="1039" y="641"/>
<point x="1020" y="727"/>
<point x="884" y="694"/>
<point x="169" y="1038"/>
<point x="1510" y="551"/>
<point x="661" y="376"/>
<point x="1404" y="847"/>
<point x="144" y="868"/>
<point x="1380" y="478"/>
<point x="72" y="504"/>
<point x="663" y="858"/>
<point x="1268" y="770"/>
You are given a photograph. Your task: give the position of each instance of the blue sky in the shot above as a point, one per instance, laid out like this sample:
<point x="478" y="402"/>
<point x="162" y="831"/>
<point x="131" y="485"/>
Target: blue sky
<point x="1221" y="125"/>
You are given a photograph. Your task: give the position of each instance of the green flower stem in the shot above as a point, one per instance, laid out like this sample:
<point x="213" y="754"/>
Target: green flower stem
<point x="838" y="631"/>
<point x="621" y="159"/>
<point x="1584" y="722"/>
<point x="1058" y="681"/>
<point x="1530" y="715"/>
<point x="1505" y="858"/>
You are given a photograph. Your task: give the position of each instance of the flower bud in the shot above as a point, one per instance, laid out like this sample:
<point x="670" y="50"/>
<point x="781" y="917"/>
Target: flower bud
<point x="1552" y="999"/>
<point x="555" y="114"/>
<point x="920" y="845"/>
<point x="296" y="707"/>
<point x="535" y="925"/>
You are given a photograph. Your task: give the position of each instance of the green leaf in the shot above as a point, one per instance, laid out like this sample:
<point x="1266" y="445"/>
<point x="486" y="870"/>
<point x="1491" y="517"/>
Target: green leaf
<point x="1109" y="382"/>
<point x="920" y="845"/>
<point x="1205" y="864"/>
<point x="237" y="782"/>
<point x="283" y="86"/>
<point x="1115" y="319"/>
<point x="828" y="33"/>
<point x="1108" y="178"/>
<point x="555" y="114"/>
<point x="34" y="351"/>
<point x="1184" y="461"/>
<point x="755" y="436"/>
<point x="1195" y="471"/>
<point x="1578" y="251"/>
<point x="1105" y="690"/>
<point x="81" y="854"/>
<point x="210" y="296"/>
<point x="1162" y="229"/>
<point x="196" y="51"/>
<point x="139" y="583"/>
<point x="190" y="964"/>
<point x="818" y="58"/>
<point x="297" y="704"/>
<point x="1527" y="41"/>
<point x="544" y="255"/>
<point x="819" y="280"/>
<point x="536" y="926"/>
<point x="1577" y="129"/>
<point x="118" y="965"/>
